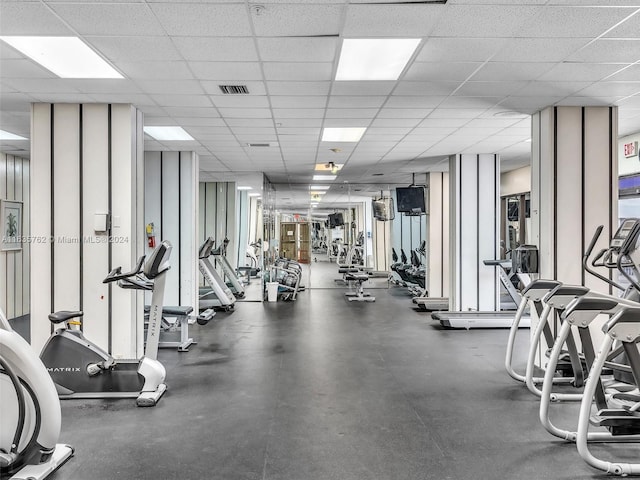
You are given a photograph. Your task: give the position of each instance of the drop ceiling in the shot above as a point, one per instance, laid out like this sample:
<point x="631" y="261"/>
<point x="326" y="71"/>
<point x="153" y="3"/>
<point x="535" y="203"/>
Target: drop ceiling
<point x="477" y="59"/>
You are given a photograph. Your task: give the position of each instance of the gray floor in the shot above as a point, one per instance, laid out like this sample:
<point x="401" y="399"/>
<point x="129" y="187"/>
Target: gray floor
<point x="325" y="389"/>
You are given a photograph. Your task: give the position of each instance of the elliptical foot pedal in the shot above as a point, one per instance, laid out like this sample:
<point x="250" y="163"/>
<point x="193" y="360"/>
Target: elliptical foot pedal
<point x="204" y="317"/>
<point x="150" y="399"/>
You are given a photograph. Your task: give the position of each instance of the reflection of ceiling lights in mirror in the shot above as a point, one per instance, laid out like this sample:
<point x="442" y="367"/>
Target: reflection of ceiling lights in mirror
<point x="317" y="193"/>
<point x="67" y="57"/>
<point x="254" y="194"/>
<point x="10" y="136"/>
<point x="349" y="134"/>
<point x="167" y="133"/>
<point x="245" y="188"/>
<point x="324" y="177"/>
<point x="319" y="187"/>
<point x="329" y="167"/>
<point x="374" y="58"/>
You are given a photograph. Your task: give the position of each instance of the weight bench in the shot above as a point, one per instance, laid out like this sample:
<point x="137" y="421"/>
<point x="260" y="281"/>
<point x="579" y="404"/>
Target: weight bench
<point x="359" y="295"/>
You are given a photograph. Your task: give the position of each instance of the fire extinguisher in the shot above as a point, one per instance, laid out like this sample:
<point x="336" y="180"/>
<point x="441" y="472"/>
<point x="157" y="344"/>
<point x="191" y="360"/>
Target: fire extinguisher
<point x="151" y="236"/>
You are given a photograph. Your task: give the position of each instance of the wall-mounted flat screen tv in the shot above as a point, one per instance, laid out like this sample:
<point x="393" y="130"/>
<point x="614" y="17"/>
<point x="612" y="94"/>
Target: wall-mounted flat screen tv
<point x="383" y="209"/>
<point x="410" y="200"/>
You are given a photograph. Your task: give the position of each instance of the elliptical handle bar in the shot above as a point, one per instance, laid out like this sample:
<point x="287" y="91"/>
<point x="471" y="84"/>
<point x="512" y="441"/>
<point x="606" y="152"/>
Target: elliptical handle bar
<point x="116" y="274"/>
<point x="587" y="253"/>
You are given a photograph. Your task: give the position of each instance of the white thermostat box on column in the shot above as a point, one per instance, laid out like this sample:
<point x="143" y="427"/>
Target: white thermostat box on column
<point x="100" y="222"/>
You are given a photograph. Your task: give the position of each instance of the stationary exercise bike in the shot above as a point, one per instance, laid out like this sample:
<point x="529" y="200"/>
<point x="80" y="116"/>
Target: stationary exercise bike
<point x="30" y="414"/>
<point x="81" y="369"/>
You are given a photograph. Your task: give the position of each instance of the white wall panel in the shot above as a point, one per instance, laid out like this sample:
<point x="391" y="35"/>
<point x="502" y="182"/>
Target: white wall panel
<point x="41" y="247"/>
<point x="95" y="199"/>
<point x="171" y="221"/>
<point x="26" y="247"/>
<point x="189" y="214"/>
<point x="488" y="232"/>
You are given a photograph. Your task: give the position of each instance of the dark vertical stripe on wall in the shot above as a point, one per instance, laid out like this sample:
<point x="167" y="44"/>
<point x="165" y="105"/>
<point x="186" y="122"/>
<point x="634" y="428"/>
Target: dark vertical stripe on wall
<point x="555" y="195"/>
<point x="583" y="145"/>
<point x="110" y="208"/>
<point x="478" y="232"/>
<point x="204" y="222"/>
<point x="611" y="179"/>
<point x="496" y="209"/>
<point x="80" y="206"/>
<point x="458" y="165"/>
<point x="160" y="237"/>
<point x="442" y="234"/>
<point x="52" y="200"/>
<point x="179" y="227"/>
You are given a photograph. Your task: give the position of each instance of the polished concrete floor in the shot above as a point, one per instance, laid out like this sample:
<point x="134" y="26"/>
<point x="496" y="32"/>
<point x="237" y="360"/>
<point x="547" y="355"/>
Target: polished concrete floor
<point x="323" y="389"/>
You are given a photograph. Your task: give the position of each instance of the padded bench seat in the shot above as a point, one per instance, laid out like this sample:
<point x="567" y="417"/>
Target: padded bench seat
<point x="178" y="311"/>
<point x="357" y="276"/>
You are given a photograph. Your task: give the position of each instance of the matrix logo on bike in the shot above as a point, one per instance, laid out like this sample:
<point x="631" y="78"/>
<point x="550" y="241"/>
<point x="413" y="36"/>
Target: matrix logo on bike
<point x="63" y="369"/>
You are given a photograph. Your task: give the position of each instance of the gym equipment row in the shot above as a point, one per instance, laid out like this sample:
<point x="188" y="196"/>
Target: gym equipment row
<point x="287" y="274"/>
<point x="604" y="375"/>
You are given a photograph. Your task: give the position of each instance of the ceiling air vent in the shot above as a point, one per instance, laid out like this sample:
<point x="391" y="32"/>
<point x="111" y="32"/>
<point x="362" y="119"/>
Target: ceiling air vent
<point x="234" y="89"/>
<point x="263" y="144"/>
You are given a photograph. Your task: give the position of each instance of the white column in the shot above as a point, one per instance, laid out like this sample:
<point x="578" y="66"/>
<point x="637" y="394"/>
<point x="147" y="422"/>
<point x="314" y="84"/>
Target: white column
<point x="474" y="183"/>
<point x="85" y="161"/>
<point x="438" y="235"/>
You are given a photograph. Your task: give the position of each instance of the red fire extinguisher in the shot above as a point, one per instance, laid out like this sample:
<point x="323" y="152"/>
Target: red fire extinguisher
<point x="151" y="236"/>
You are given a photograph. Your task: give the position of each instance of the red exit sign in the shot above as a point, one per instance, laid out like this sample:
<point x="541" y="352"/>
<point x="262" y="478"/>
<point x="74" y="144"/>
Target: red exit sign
<point x="630" y="149"/>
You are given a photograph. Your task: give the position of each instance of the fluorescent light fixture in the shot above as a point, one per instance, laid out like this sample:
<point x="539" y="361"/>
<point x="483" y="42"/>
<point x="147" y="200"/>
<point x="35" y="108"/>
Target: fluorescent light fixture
<point x="167" y="133"/>
<point x="67" y="57"/>
<point x="351" y="134"/>
<point x="319" y="187"/>
<point x="374" y="58"/>
<point x="245" y="188"/>
<point x="314" y="205"/>
<point x="317" y="193"/>
<point x="324" y="177"/>
<point x="254" y="194"/>
<point x="10" y="136"/>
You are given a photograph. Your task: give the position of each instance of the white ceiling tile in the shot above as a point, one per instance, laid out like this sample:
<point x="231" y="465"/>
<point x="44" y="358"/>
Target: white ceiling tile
<point x="23" y="69"/>
<point x="41" y="85"/>
<point x="586" y="22"/>
<point x="240" y="101"/>
<point x="434" y="131"/>
<point x="299" y="122"/>
<point x="455" y="113"/>
<point x="175" y="70"/>
<point x="83" y="98"/>
<point x="8" y="53"/>
<point x="297" y="49"/>
<point x="134" y="98"/>
<point x="354" y="113"/>
<point x="301" y="20"/>
<point x="213" y="87"/>
<point x="279" y="113"/>
<point x="441" y="49"/>
<point x="551" y="89"/>
<point x="135" y="49"/>
<point x="404" y="112"/>
<point x="287" y="71"/>
<point x="447" y="72"/>
<point x="506" y="72"/>
<point x="413" y="102"/>
<point x="610" y="51"/>
<point x="589" y="101"/>
<point x="580" y="72"/>
<point x="198" y="121"/>
<point x="15" y="102"/>
<point x="135" y="19"/>
<point x="484" y="21"/>
<point x="356" y="101"/>
<point x="30" y="18"/>
<point x="249" y="122"/>
<point x="226" y="70"/>
<point x="489" y="89"/>
<point x="152" y="110"/>
<point x="603" y="89"/>
<point x="346" y="122"/>
<point x="443" y="122"/>
<point x="631" y="73"/>
<point x="469" y="102"/>
<point x="203" y="19"/>
<point x="216" y="49"/>
<point x="529" y="104"/>
<point x="298" y="101"/>
<point x="492" y="122"/>
<point x="207" y="130"/>
<point x="182" y="111"/>
<point x="103" y="86"/>
<point x="168" y="100"/>
<point x="299" y="131"/>
<point x="245" y="112"/>
<point x="258" y="131"/>
<point x="538" y="49"/>
<point x="298" y="88"/>
<point x="400" y="20"/>
<point x="630" y="28"/>
<point x="383" y="136"/>
<point x="395" y="122"/>
<point x="177" y="87"/>
<point x="425" y="88"/>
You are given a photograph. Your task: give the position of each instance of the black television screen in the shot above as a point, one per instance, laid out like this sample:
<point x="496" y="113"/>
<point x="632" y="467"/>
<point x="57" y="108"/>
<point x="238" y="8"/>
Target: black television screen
<point x="332" y="220"/>
<point x="339" y="219"/>
<point x="410" y="200"/>
<point x="383" y="209"/>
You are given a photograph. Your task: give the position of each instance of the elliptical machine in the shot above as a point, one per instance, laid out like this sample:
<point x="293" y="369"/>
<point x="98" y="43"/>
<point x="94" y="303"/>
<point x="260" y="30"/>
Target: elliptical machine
<point x="29" y="412"/>
<point x="81" y="369"/>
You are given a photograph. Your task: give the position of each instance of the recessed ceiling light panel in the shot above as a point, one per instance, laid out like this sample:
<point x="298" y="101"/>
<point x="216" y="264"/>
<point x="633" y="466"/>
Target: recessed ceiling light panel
<point x="351" y="134"/>
<point x="324" y="177"/>
<point x="245" y="188"/>
<point x="10" y="136"/>
<point x="375" y="58"/>
<point x="67" y="57"/>
<point x="319" y="187"/>
<point x="167" y="133"/>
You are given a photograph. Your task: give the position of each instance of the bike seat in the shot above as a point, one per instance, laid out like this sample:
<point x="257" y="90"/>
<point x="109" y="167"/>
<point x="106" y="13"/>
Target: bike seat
<point x="63" y="316"/>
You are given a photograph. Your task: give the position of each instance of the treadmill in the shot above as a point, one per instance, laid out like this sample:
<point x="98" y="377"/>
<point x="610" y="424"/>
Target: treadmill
<point x="525" y="261"/>
<point x="217" y="294"/>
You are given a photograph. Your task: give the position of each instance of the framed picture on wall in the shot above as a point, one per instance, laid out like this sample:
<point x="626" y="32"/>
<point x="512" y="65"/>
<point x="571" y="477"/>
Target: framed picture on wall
<point x="10" y="225"/>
